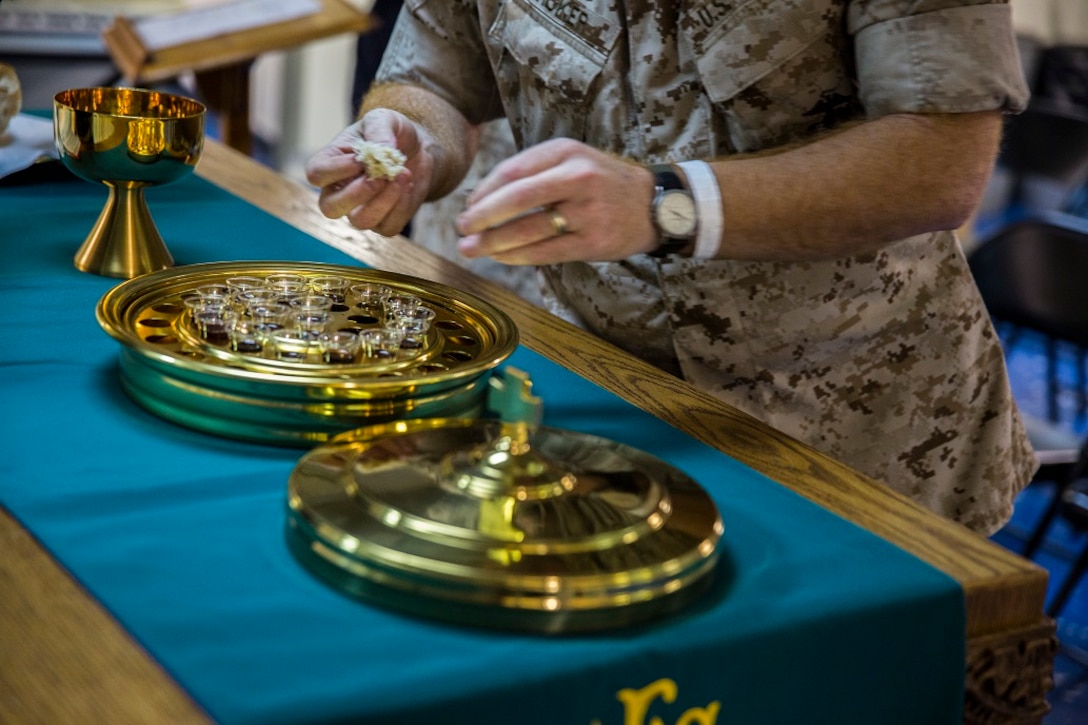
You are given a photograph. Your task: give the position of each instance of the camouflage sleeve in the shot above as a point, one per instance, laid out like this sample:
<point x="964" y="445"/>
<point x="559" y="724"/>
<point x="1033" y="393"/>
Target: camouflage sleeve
<point x="437" y="45"/>
<point x="936" y="56"/>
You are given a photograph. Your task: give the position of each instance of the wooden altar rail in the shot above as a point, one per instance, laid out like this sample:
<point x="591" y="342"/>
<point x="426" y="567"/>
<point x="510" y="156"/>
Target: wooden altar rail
<point x="85" y="662"/>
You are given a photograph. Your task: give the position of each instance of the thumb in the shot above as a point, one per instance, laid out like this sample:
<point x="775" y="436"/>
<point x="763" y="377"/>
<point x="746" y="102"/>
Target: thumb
<point x="386" y="127"/>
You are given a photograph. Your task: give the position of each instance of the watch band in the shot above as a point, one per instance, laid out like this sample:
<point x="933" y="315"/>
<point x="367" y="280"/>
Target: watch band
<point x="708" y="200"/>
<point x="665" y="179"/>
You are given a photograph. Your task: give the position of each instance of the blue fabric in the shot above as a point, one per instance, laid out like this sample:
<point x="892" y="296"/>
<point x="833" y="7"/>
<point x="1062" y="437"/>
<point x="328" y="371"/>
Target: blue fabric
<point x="181" y="536"/>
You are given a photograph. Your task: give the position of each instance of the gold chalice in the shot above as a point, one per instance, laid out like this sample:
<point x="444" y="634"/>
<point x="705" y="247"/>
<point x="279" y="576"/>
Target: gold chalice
<point x="127" y="139"/>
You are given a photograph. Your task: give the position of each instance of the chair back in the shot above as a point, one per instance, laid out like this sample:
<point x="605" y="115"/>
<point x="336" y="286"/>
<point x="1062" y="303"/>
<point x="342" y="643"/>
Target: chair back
<point x="1034" y="274"/>
<point x="1049" y="139"/>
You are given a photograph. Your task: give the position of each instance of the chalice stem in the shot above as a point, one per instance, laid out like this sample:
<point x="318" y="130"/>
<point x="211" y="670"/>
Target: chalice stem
<point x="124" y="242"/>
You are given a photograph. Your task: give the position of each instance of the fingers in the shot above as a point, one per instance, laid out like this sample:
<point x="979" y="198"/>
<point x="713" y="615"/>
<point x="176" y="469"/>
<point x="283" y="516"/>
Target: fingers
<point x="518" y="241"/>
<point x="512" y="202"/>
<point x="390" y="128"/>
<point x="346" y="191"/>
<point x="524" y="165"/>
<point x="529" y="181"/>
<point x="384" y="206"/>
<point x="530" y="199"/>
<point x="554" y="250"/>
<point x="340" y="198"/>
<point x="331" y="166"/>
<point x="561" y="201"/>
<point x="388" y="210"/>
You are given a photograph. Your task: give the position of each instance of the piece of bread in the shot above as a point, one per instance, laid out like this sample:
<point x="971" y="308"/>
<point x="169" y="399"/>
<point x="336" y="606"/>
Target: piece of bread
<point x="381" y="161"/>
<point x="11" y="96"/>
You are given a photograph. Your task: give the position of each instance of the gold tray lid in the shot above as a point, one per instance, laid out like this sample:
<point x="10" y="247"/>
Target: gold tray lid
<point x="502" y="522"/>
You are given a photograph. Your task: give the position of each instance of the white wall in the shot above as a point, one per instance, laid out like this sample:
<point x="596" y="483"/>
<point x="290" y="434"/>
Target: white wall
<point x="302" y="98"/>
<point x="1052" y="21"/>
<point x="315" y="99"/>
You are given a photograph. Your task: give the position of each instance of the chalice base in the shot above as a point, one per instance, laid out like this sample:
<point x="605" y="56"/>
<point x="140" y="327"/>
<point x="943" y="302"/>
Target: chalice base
<point x="124" y="242"/>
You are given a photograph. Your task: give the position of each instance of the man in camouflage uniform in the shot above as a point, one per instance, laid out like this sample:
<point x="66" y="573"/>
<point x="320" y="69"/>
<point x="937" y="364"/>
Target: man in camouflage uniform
<point x="846" y="137"/>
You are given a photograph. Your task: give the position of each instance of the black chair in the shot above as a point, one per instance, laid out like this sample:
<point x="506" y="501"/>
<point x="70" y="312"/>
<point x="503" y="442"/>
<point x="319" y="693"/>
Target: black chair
<point x="1033" y="275"/>
<point x="1070" y="503"/>
<point x="1048" y="141"/>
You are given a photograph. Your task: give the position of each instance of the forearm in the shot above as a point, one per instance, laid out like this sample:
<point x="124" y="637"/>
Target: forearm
<point x="857" y="189"/>
<point x="449" y="140"/>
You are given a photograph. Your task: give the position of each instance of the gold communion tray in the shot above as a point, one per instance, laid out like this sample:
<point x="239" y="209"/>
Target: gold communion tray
<point x="189" y="376"/>
<point x="502" y="524"/>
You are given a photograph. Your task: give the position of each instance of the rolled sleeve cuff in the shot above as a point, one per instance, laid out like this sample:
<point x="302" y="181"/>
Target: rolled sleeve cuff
<point x="956" y="60"/>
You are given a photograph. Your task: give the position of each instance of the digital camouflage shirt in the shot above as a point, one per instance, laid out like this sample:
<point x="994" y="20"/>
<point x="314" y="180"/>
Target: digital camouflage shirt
<point x="886" y="361"/>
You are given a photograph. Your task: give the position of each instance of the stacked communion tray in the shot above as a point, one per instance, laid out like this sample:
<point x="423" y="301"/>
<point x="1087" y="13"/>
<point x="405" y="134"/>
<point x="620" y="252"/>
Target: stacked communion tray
<point x="294" y="353"/>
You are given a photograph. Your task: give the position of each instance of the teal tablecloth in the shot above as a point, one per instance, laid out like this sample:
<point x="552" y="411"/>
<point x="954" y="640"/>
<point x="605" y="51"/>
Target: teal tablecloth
<point x="180" y="535"/>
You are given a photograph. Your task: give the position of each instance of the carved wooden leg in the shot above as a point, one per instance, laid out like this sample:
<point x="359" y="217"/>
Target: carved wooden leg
<point x="1009" y="675"/>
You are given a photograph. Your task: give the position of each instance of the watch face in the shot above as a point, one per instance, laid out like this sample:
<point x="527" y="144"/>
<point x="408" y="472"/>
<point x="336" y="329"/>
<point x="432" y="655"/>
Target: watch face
<point x="676" y="214"/>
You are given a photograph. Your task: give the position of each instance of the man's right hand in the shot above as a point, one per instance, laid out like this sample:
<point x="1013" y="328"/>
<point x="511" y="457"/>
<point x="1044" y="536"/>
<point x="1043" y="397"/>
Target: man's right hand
<point x="346" y="190"/>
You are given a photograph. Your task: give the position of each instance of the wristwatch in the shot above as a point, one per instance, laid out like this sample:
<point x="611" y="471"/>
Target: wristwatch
<point x="673" y="212"/>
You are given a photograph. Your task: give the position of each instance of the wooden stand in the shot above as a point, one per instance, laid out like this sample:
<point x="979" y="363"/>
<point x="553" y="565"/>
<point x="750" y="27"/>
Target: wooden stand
<point x="1009" y="675"/>
<point x="222" y="63"/>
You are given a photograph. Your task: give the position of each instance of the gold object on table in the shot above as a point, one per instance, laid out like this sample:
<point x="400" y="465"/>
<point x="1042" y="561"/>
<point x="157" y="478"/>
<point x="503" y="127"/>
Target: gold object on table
<point x="502" y="523"/>
<point x="127" y="139"/>
<point x="11" y="96"/>
<point x="170" y="369"/>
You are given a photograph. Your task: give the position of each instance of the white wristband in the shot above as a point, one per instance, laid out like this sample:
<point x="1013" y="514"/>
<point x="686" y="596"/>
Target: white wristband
<point x="708" y="200"/>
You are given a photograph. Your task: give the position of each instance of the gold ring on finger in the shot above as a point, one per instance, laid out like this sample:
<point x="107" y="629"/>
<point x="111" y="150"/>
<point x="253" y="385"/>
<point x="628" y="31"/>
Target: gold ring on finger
<point x="559" y="222"/>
